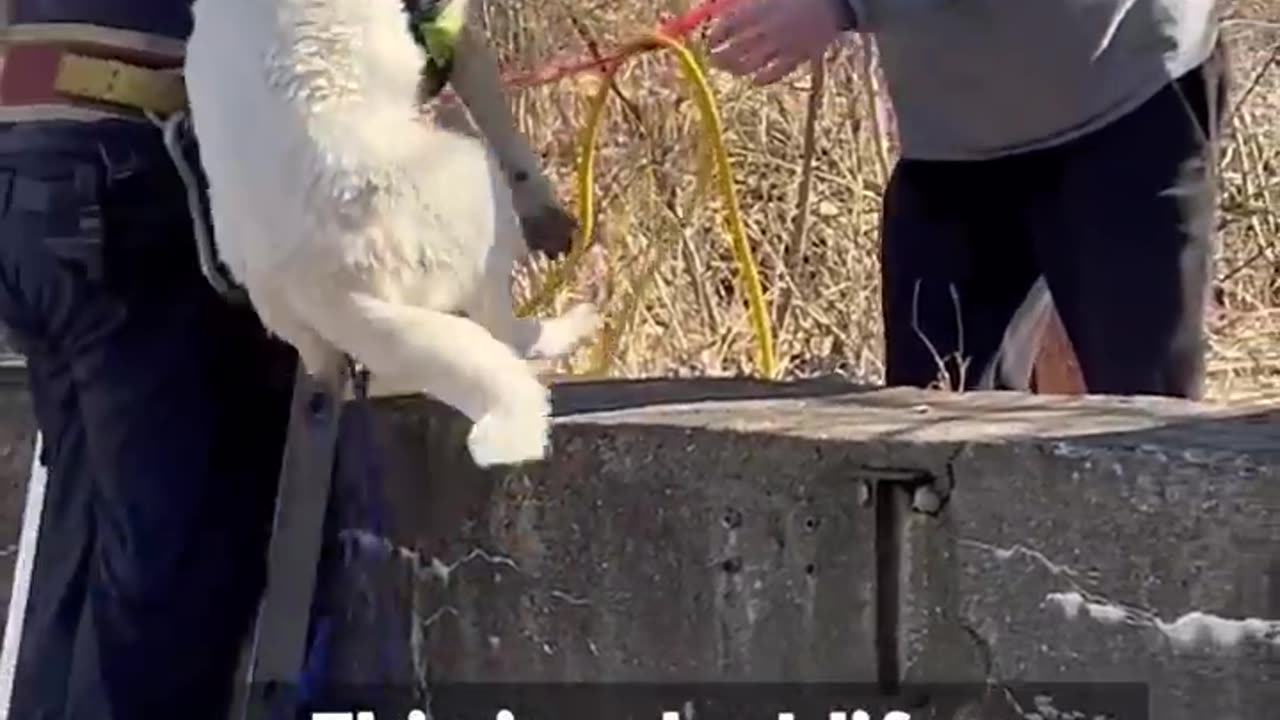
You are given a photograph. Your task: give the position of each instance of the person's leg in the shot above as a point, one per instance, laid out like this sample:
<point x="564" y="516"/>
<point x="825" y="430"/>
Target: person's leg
<point x="59" y="573"/>
<point x="1126" y="240"/>
<point x="955" y="267"/>
<point x="186" y="430"/>
<point x="184" y="401"/>
<point x="64" y="546"/>
<point x="187" y="408"/>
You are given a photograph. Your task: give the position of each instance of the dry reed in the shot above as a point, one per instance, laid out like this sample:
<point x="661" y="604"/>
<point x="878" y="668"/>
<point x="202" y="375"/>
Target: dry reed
<point x="811" y="155"/>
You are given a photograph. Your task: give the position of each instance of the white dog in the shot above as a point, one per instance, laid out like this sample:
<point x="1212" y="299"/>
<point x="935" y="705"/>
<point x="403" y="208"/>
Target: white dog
<point x="356" y="224"/>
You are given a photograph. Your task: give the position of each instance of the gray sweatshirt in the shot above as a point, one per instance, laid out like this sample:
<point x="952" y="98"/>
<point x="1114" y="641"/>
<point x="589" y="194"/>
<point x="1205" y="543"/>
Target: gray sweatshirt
<point x="974" y="79"/>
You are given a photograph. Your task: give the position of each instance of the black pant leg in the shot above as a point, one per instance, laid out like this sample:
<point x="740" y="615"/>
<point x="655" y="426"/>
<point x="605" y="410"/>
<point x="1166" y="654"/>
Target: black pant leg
<point x="1126" y="239"/>
<point x="187" y="483"/>
<point x="184" y="403"/>
<point x="956" y="265"/>
<point x="45" y="309"/>
<point x="64" y="545"/>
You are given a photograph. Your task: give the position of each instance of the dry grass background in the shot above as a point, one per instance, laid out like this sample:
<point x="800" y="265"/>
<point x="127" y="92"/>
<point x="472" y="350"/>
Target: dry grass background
<point x="812" y="207"/>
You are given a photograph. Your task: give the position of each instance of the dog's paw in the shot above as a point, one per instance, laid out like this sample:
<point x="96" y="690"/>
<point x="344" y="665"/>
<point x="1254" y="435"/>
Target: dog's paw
<point x="510" y="437"/>
<point x="548" y="229"/>
<point x="583" y="319"/>
<point x="561" y="335"/>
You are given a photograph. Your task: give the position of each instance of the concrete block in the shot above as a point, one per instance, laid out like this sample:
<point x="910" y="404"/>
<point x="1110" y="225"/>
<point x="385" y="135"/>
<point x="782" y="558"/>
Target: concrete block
<point x="703" y="530"/>
<point x="1146" y="554"/>
<point x="654" y="554"/>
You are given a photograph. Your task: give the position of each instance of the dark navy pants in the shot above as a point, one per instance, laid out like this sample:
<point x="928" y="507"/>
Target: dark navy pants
<point x="1119" y="223"/>
<point x="164" y="411"/>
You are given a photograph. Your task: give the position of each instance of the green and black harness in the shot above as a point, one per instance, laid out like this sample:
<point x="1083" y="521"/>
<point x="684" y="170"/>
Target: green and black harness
<point x="435" y="25"/>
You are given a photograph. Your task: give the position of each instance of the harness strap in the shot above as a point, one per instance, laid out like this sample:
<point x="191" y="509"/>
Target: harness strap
<point x="214" y="272"/>
<point x="436" y="25"/>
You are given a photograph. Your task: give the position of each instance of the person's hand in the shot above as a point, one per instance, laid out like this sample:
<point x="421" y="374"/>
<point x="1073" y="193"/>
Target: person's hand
<point x="767" y="39"/>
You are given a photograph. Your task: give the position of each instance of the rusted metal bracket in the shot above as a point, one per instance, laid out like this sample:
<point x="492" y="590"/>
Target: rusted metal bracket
<point x="929" y="493"/>
<point x="889" y="491"/>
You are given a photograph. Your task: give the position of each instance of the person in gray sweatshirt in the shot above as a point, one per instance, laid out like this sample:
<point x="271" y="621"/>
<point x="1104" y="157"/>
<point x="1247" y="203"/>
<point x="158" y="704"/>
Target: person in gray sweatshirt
<point x="1048" y="147"/>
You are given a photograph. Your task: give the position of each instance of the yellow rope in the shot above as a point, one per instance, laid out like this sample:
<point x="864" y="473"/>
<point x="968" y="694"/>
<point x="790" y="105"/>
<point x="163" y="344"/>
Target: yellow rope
<point x="749" y="274"/>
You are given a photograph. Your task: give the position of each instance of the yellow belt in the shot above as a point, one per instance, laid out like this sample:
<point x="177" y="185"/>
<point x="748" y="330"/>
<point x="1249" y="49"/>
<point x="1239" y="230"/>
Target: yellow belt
<point x="118" y="83"/>
<point x="82" y="68"/>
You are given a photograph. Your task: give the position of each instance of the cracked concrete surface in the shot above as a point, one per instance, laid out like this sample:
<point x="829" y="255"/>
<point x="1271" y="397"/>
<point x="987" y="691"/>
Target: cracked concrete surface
<point x="619" y="564"/>
<point x="705" y="530"/>
<point x="1164" y="545"/>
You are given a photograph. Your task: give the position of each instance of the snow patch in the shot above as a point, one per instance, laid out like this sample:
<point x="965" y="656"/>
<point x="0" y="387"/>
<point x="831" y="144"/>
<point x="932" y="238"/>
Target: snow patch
<point x="1192" y="631"/>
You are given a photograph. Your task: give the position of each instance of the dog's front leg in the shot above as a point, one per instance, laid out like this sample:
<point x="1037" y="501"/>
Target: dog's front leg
<point x="478" y="83"/>
<point x="448" y="357"/>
